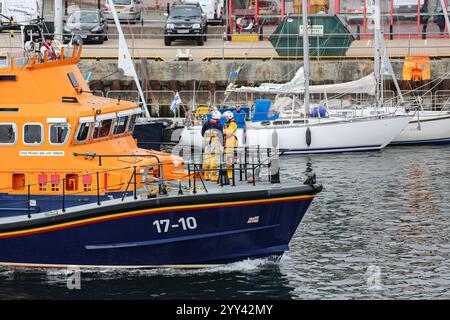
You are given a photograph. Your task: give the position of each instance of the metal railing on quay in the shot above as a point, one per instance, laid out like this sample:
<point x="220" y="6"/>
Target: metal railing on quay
<point x="151" y="45"/>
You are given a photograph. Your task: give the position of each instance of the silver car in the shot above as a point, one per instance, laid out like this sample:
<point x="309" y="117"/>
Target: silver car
<point x="129" y="10"/>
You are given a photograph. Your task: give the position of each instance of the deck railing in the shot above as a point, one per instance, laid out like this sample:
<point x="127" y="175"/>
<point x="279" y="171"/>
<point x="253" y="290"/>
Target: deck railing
<point x="246" y="167"/>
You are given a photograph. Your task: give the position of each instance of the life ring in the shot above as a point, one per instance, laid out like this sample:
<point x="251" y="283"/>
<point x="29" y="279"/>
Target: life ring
<point x="244" y="24"/>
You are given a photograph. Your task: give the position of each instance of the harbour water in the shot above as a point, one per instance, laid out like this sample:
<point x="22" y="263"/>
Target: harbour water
<point x="379" y="230"/>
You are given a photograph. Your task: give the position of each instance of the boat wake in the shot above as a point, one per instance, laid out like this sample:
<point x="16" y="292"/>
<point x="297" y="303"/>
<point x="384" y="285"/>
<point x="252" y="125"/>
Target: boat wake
<point x="245" y="266"/>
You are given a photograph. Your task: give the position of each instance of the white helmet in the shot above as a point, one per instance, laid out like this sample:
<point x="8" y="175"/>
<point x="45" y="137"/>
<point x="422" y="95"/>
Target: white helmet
<point x="228" y="115"/>
<point x="216" y="115"/>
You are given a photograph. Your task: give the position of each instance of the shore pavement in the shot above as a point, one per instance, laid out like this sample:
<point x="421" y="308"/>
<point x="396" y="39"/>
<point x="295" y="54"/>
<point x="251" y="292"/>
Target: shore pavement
<point x="146" y="40"/>
<point x="218" y="48"/>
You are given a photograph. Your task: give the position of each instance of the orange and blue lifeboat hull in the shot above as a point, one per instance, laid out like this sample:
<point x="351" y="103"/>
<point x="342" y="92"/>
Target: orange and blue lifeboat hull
<point x="183" y="230"/>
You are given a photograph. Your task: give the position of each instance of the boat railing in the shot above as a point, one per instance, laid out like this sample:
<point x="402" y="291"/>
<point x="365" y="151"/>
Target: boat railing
<point x="30" y="203"/>
<point x="22" y="58"/>
<point x="442" y="100"/>
<point x="247" y="169"/>
<point x="99" y="190"/>
<point x="17" y="58"/>
<point x="100" y="157"/>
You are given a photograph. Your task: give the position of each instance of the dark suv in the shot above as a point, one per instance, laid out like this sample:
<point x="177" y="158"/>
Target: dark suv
<point x="186" y="22"/>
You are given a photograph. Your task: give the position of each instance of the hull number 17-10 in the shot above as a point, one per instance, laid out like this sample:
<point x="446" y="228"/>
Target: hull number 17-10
<point x="164" y="225"/>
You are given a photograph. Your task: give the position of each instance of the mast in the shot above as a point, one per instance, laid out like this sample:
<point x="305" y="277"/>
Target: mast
<point x="382" y="62"/>
<point x="305" y="54"/>
<point x="58" y="19"/>
<point x="125" y="62"/>
<point x="375" y="4"/>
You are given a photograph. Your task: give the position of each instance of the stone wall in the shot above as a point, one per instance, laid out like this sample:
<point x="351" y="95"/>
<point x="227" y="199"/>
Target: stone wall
<point x="214" y="75"/>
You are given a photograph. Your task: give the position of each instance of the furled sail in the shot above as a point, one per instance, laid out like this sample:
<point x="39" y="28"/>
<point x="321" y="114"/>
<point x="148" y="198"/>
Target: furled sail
<point x="296" y="82"/>
<point x="366" y="85"/>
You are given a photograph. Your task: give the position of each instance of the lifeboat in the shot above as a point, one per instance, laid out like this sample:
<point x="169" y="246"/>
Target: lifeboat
<point x="56" y="136"/>
<point x="75" y="189"/>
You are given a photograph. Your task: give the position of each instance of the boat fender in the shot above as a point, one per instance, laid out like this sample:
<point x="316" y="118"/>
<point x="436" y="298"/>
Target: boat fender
<point x="308" y="136"/>
<point x="275" y="143"/>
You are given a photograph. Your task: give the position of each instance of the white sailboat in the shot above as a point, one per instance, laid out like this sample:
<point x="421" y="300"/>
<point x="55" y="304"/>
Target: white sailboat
<point x="426" y="126"/>
<point x="303" y="134"/>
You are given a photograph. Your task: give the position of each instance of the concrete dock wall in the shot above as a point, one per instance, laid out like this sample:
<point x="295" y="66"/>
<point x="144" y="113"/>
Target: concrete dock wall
<point x="253" y="72"/>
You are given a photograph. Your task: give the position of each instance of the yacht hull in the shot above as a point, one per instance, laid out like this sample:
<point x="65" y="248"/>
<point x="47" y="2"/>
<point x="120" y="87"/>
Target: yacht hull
<point x="328" y="137"/>
<point x="425" y="129"/>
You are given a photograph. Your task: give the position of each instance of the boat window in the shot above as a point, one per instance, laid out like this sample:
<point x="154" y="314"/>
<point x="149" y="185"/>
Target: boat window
<point x="121" y="125"/>
<point x="59" y="133"/>
<point x="8" y="133"/>
<point x="132" y="123"/>
<point x="83" y="132"/>
<point x="32" y="134"/>
<point x="281" y="122"/>
<point x="18" y="181"/>
<point x="102" y="129"/>
<point x="8" y="78"/>
<point x="73" y="80"/>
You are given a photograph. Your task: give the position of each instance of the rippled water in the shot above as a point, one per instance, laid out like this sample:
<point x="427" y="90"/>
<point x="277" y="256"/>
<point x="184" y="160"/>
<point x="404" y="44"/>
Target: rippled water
<point x="379" y="229"/>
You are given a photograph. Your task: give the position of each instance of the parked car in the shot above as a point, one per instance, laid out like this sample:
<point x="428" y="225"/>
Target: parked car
<point x="90" y="25"/>
<point x="214" y="9"/>
<point x="186" y="22"/>
<point x="21" y="11"/>
<point x="129" y="10"/>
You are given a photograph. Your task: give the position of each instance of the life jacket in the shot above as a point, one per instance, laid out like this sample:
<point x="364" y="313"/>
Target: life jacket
<point x="230" y="130"/>
<point x="51" y="51"/>
<point x="212" y="131"/>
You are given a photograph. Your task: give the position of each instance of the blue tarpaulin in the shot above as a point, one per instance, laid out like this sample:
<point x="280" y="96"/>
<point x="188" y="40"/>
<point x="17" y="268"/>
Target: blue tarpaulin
<point x="262" y="107"/>
<point x="239" y="117"/>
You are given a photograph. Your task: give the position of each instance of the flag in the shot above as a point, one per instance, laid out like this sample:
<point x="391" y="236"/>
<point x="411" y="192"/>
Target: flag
<point x="125" y="63"/>
<point x="235" y="73"/>
<point x="231" y="81"/>
<point x="175" y="103"/>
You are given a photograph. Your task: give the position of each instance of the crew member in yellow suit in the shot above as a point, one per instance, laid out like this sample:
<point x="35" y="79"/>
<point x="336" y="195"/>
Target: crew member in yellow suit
<point x="212" y="133"/>
<point x="230" y="141"/>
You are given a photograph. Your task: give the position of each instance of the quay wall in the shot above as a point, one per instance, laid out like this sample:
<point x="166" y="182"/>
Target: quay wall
<point x="209" y="75"/>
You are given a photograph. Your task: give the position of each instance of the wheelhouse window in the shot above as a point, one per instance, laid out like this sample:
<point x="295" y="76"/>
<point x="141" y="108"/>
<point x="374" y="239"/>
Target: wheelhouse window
<point x="59" y="133"/>
<point x="73" y="80"/>
<point x="8" y="133"/>
<point x="32" y="134"/>
<point x="102" y="129"/>
<point x="132" y="123"/>
<point x="121" y="125"/>
<point x="83" y="132"/>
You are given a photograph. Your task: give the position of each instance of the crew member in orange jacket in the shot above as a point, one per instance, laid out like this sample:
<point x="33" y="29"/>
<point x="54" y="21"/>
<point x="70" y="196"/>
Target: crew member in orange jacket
<point x="230" y="141"/>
